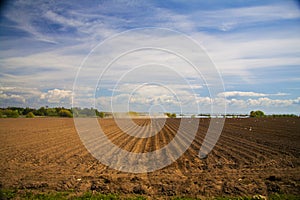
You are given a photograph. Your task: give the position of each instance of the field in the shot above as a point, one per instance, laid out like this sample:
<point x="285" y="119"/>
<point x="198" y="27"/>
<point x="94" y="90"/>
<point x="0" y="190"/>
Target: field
<point x="254" y="156"/>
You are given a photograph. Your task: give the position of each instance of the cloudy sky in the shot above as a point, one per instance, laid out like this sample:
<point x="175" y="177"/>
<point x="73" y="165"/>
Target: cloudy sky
<point x="254" y="47"/>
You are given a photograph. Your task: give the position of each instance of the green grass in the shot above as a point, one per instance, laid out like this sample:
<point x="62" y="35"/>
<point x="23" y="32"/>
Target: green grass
<point x="6" y="194"/>
<point x="271" y="197"/>
<point x="284" y="197"/>
<point x="32" y="195"/>
<point x="92" y="196"/>
<point x="28" y="195"/>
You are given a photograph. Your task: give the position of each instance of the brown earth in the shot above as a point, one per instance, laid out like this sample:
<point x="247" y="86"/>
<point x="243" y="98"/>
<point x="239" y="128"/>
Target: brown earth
<point x="252" y="156"/>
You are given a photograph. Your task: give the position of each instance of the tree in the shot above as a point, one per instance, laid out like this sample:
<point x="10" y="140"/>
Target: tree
<point x="10" y="113"/>
<point x="51" y="112"/>
<point x="42" y="111"/>
<point x="27" y="110"/>
<point x="257" y="113"/>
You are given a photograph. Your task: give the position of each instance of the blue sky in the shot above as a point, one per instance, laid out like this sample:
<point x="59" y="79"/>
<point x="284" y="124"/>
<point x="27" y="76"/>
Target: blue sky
<point x="255" y="45"/>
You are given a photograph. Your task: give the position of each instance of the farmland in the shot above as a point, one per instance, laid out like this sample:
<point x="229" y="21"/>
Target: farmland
<point x="253" y="156"/>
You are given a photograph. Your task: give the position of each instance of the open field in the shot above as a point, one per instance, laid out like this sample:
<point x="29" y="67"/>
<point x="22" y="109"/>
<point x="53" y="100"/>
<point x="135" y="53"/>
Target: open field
<point x="253" y="156"/>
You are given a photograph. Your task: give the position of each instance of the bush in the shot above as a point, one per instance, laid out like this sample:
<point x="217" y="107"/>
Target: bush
<point x="30" y="115"/>
<point x="133" y="113"/>
<point x="101" y="114"/>
<point x="65" y="113"/>
<point x="171" y="115"/>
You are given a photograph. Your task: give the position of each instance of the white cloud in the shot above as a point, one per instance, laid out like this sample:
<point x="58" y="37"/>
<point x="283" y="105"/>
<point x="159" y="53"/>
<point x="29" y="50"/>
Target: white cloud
<point x="62" y="20"/>
<point x="142" y="97"/>
<point x="242" y="54"/>
<point x="230" y="18"/>
<point x="57" y="96"/>
<point x="248" y="94"/>
<point x="11" y="98"/>
<point x="24" y="91"/>
<point x="237" y="103"/>
<point x="242" y="94"/>
<point x="235" y="55"/>
<point x="190" y="104"/>
<point x="18" y="96"/>
<point x="267" y="102"/>
<point x="204" y="101"/>
<point x="6" y="88"/>
<point x="24" y="20"/>
<point x="239" y="53"/>
<point x="33" y="97"/>
<point x="263" y="103"/>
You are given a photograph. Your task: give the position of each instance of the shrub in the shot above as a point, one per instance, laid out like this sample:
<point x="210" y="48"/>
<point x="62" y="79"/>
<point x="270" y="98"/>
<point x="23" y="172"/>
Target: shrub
<point x="133" y="113"/>
<point x="101" y="114"/>
<point x="65" y="113"/>
<point x="171" y="115"/>
<point x="30" y="115"/>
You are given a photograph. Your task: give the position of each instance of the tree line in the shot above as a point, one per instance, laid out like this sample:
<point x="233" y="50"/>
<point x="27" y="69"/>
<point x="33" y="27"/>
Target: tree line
<point x="259" y="113"/>
<point x="15" y="112"/>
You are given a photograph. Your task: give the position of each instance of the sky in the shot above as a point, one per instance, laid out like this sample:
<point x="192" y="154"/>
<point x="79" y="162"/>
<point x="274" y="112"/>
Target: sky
<point x="246" y="51"/>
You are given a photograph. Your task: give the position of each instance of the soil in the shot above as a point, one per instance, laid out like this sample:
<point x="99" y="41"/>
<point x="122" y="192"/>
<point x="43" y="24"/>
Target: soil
<point x="253" y="156"/>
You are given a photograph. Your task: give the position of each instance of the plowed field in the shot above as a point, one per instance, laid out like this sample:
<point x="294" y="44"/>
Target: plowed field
<point x="252" y="156"/>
